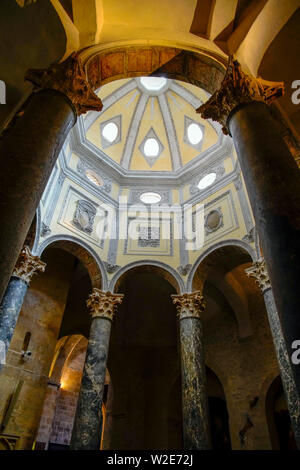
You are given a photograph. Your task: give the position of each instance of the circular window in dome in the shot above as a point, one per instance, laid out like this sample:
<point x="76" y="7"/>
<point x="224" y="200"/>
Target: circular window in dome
<point x="153" y="83"/>
<point x="194" y="133"/>
<point x="95" y="179"/>
<point x="110" y="131"/>
<point x="207" y="180"/>
<point x="150" y="198"/>
<point x="151" y="147"/>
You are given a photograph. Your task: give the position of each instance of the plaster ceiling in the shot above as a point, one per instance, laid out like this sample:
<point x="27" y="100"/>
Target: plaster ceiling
<point x="141" y="115"/>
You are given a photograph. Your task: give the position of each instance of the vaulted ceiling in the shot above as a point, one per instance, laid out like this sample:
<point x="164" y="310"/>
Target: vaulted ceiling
<point x="151" y="125"/>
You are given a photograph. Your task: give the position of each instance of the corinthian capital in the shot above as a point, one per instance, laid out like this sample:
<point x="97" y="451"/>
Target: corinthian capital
<point x="189" y="305"/>
<point x="69" y="78"/>
<point x="27" y="265"/>
<point x="238" y="88"/>
<point x="103" y="304"/>
<point x="258" y="270"/>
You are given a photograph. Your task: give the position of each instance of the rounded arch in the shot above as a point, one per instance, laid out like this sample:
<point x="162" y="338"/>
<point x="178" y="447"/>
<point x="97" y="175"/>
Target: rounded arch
<point x="83" y="252"/>
<point x="215" y="265"/>
<point x="225" y="243"/>
<point x="159" y="268"/>
<point x="203" y="68"/>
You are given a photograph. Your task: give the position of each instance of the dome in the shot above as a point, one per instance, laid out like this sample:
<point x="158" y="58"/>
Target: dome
<point x="148" y="127"/>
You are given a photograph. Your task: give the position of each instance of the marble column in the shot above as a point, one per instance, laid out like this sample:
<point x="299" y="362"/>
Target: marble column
<point x="259" y="272"/>
<point x="29" y="147"/>
<point x="12" y="301"/>
<point x="193" y="374"/>
<point x="87" y="426"/>
<point x="272" y="180"/>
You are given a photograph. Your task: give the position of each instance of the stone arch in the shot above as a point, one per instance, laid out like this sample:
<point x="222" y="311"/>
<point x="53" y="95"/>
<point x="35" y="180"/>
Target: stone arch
<point x="83" y="252"/>
<point x="217" y="262"/>
<point x="202" y="68"/>
<point x="162" y="269"/>
<point x="225" y="243"/>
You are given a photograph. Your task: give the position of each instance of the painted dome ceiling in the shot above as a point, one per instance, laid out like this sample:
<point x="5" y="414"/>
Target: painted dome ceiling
<point x="149" y="124"/>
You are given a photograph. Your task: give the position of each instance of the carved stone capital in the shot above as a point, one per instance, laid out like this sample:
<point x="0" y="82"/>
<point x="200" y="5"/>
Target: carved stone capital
<point x="103" y="304"/>
<point x="69" y="78"/>
<point x="238" y="88"/>
<point x="189" y="305"/>
<point x="27" y="265"/>
<point x="258" y="270"/>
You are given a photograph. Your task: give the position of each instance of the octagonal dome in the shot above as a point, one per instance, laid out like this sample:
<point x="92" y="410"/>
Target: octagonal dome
<point x="149" y="126"/>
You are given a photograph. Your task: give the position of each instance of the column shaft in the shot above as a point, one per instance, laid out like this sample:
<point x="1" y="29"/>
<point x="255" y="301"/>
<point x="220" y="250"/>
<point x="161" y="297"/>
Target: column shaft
<point x="194" y="398"/>
<point x="28" y="152"/>
<point x="10" y="309"/>
<point x="88" y="419"/>
<point x="284" y="363"/>
<point x="87" y="426"/>
<point x="273" y="184"/>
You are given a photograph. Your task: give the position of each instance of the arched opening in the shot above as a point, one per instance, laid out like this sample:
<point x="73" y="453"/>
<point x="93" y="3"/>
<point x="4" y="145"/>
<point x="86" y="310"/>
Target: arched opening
<point x="278" y="418"/>
<point x="218" y="414"/>
<point x="221" y="276"/>
<point x="144" y="363"/>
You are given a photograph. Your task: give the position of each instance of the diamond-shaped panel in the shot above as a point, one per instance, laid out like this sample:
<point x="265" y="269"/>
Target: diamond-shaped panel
<point x="151" y="159"/>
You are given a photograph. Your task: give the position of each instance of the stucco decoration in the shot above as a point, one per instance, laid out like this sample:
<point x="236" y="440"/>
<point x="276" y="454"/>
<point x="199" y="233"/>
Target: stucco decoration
<point x="84" y="216"/>
<point x="238" y="88"/>
<point x="213" y="221"/>
<point x="83" y="167"/>
<point x="250" y="236"/>
<point x="184" y="270"/>
<point x="69" y="78"/>
<point x="103" y="304"/>
<point x="45" y="230"/>
<point x="219" y="170"/>
<point x="151" y="134"/>
<point x="27" y="265"/>
<point x="189" y="305"/>
<point x="259" y="271"/>
<point x="111" y="268"/>
<point x="149" y="236"/>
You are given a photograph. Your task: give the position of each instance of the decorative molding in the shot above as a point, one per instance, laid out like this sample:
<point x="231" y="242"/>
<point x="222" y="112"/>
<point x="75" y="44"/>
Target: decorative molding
<point x="134" y="196"/>
<point x="190" y="305"/>
<point x="170" y="132"/>
<point x="83" y="166"/>
<point x="259" y="272"/>
<point x="111" y="268"/>
<point x="151" y="134"/>
<point x="117" y="120"/>
<point x="84" y="216"/>
<point x="67" y="77"/>
<point x="219" y="170"/>
<point x="80" y="243"/>
<point x="187" y="122"/>
<point x="103" y="304"/>
<point x="238" y="88"/>
<point x="184" y="270"/>
<point x="250" y="236"/>
<point x="45" y="230"/>
<point x="217" y="212"/>
<point x="27" y="265"/>
<point x="149" y="236"/>
<point x="134" y="129"/>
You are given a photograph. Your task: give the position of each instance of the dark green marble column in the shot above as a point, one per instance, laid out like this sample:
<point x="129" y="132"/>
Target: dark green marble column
<point x="259" y="272"/>
<point x="272" y="179"/>
<point x="87" y="425"/>
<point x="13" y="298"/>
<point x="193" y="374"/>
<point x="29" y="147"/>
